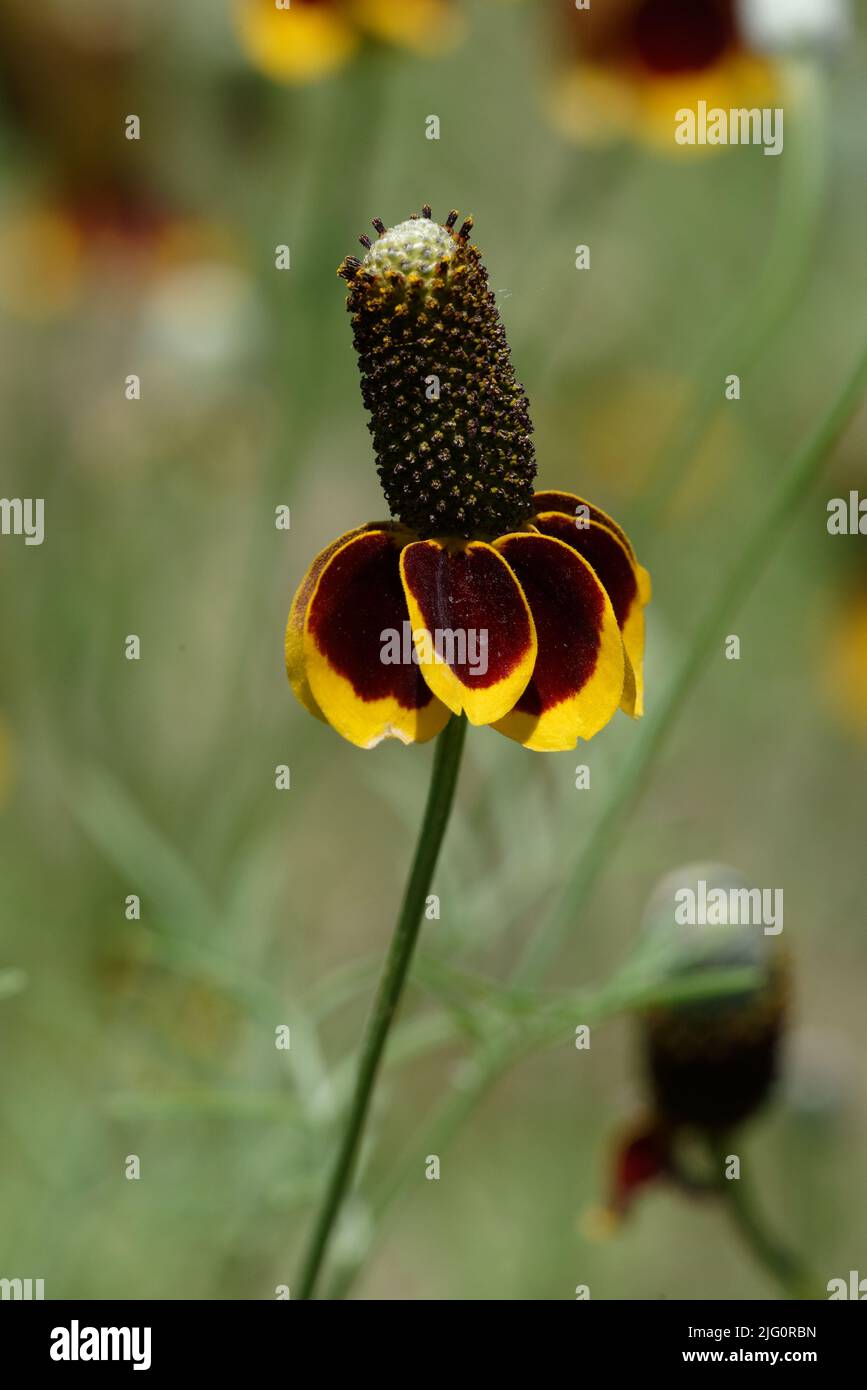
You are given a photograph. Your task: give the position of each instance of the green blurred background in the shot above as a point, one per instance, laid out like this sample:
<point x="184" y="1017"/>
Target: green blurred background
<point x="156" y="777"/>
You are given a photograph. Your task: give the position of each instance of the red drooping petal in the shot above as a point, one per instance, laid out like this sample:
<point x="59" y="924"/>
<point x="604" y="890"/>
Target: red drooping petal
<point x="617" y="571"/>
<point x="473" y="629"/>
<point x="577" y="681"/>
<point x="357" y="652"/>
<point x="569" y="503"/>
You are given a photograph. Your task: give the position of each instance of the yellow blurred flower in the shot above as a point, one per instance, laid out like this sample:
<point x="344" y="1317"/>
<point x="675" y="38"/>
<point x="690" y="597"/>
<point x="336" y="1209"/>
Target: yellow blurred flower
<point x="310" y="39"/>
<point x="301" y="44"/>
<point x="54" y="248"/>
<point x="626" y="68"/>
<point x="7" y="765"/>
<point x="40" y="257"/>
<point x="425" y="26"/>
<point x="627" y="430"/>
<point x="845" y="667"/>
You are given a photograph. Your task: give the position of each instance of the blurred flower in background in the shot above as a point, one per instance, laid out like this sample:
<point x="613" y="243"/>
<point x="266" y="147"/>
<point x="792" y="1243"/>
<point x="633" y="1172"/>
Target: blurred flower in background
<point x="844" y="670"/>
<point x="58" y="249"/>
<point x="709" y="1064"/>
<point x="88" y="209"/>
<point x="311" y="39"/>
<point x="6" y="764"/>
<point x="94" y="230"/>
<point x="626" y="68"/>
<point x="790" y="25"/>
<point x="625" y="427"/>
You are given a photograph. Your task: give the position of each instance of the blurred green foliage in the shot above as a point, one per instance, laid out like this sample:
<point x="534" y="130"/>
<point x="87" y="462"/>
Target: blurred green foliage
<point x="259" y="908"/>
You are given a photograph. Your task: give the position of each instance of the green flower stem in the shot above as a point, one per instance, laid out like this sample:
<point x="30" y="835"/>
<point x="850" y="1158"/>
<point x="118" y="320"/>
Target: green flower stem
<point x="781" y="1263"/>
<point x="479" y="1076"/>
<point x="444" y="778"/>
<point x="494" y="1057"/>
<point x="492" y="1062"/>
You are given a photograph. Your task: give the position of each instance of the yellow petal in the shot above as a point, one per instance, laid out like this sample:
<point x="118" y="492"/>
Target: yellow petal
<point x="578" y="679"/>
<point x="355" y="616"/>
<point x="472" y="627"/>
<point x="295" y="666"/>
<point x="298" y="45"/>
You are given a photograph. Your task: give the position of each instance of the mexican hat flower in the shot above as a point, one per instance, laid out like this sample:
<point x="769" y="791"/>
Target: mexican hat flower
<point x="709" y="1064"/>
<point x="627" y="67"/>
<point x="479" y="596"/>
<point x="310" y="39"/>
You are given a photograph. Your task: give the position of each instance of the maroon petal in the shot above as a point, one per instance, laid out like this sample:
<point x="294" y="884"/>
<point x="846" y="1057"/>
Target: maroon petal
<point x="357" y="653"/>
<point x="472" y="625"/>
<point x="578" y="678"/>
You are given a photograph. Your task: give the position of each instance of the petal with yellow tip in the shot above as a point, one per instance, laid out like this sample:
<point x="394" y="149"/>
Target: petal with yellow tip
<point x="295" y="665"/>
<point x="472" y="626"/>
<point x="616" y="570"/>
<point x="357" y="658"/>
<point x="568" y="502"/>
<point x="577" y="681"/>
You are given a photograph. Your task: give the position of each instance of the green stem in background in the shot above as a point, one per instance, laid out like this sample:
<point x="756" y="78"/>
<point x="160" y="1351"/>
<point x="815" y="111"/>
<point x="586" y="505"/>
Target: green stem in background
<point x="477" y="1077"/>
<point x="759" y="546"/>
<point x="496" y="1058"/>
<point x="444" y="776"/>
<point x="781" y="1263"/>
